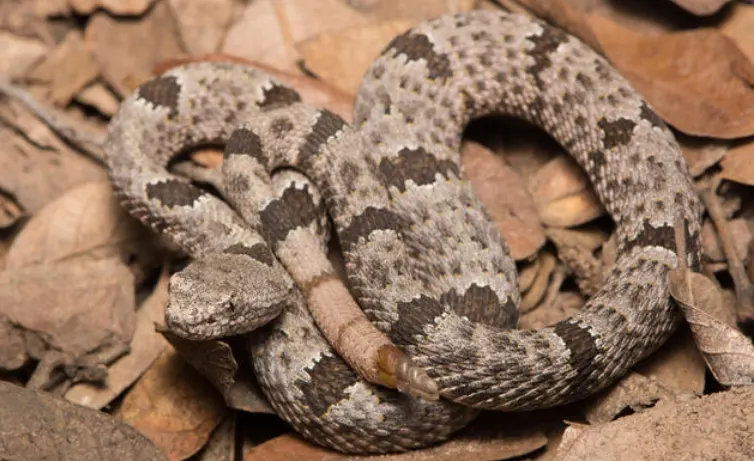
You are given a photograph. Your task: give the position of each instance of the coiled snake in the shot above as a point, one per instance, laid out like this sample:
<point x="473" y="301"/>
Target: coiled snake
<point x="424" y="261"/>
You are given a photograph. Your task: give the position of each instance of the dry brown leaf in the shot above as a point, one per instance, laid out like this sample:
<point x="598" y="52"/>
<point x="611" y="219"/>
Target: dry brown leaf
<point x="504" y="195"/>
<point x="728" y="352"/>
<point x="173" y="406"/>
<point x="563" y="194"/>
<point x="739" y="26"/>
<point x="701" y="7"/>
<point x="487" y="439"/>
<point x="100" y="97"/>
<point x="260" y="35"/>
<point x="215" y="361"/>
<point x="303" y="19"/>
<point x="717" y="426"/>
<point x="678" y="364"/>
<point x="146" y="346"/>
<point x="701" y="153"/>
<point x="201" y="23"/>
<point x="37" y="166"/>
<point x="697" y="80"/>
<point x="68" y="307"/>
<point x="633" y="391"/>
<point x="87" y="222"/>
<point x="290" y="446"/>
<point x="568" y="15"/>
<point x="18" y="54"/>
<point x="36" y="426"/>
<point x="245" y="394"/>
<point x="416" y="11"/>
<point x="222" y="444"/>
<point x="342" y="57"/>
<point x="270" y="31"/>
<point x="66" y="69"/>
<point x="737" y="165"/>
<point x="116" y="7"/>
<point x="119" y="45"/>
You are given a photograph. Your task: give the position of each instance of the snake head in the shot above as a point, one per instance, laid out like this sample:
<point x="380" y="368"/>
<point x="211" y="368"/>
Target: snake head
<point x="224" y="295"/>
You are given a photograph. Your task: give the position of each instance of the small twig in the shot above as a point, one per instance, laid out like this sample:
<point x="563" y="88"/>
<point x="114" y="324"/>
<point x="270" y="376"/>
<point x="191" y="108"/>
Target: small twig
<point x="744" y="288"/>
<point x="89" y="143"/>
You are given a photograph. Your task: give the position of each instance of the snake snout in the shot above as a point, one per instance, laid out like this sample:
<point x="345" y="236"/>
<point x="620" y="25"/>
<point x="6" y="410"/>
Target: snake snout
<point x="223" y="295"/>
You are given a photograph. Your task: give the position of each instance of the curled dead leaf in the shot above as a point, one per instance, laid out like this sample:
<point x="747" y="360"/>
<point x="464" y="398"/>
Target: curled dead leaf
<point x="728" y="352"/>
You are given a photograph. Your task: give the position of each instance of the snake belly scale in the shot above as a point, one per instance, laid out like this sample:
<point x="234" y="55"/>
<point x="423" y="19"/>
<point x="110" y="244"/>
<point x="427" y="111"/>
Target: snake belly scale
<point x="423" y="260"/>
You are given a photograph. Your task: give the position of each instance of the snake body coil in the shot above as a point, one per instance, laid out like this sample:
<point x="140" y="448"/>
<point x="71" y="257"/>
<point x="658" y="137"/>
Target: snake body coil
<point x="423" y="259"/>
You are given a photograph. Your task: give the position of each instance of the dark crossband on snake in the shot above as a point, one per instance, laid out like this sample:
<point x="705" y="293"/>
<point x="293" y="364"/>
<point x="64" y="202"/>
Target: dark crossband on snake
<point x="424" y="262"/>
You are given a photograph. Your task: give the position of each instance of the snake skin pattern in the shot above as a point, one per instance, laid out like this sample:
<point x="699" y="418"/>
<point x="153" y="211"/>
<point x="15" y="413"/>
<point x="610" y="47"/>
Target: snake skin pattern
<point x="424" y="261"/>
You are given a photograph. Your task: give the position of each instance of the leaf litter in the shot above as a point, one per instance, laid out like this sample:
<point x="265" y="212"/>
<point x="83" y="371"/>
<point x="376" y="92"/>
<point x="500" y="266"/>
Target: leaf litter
<point x="82" y="294"/>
